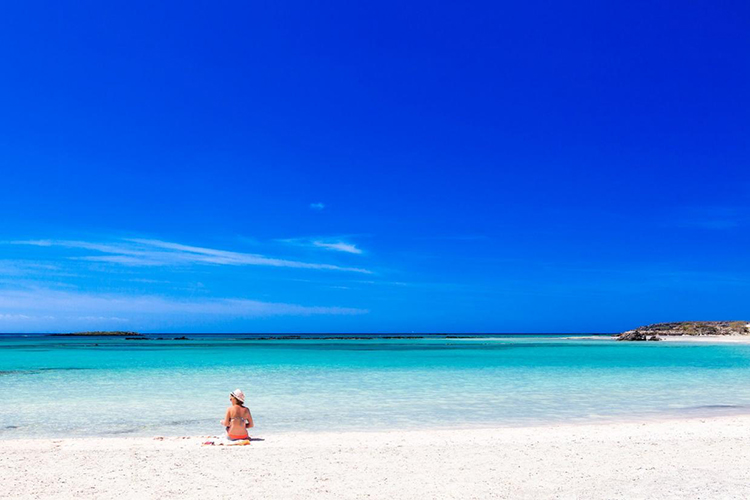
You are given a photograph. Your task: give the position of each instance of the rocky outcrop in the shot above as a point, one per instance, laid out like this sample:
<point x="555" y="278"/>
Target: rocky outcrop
<point x="653" y="332"/>
<point x="634" y="335"/>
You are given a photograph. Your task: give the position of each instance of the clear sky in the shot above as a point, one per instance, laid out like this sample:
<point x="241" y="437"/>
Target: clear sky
<point x="533" y="166"/>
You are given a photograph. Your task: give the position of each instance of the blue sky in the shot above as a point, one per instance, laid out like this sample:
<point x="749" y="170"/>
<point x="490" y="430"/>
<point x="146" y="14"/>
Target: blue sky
<point x="382" y="167"/>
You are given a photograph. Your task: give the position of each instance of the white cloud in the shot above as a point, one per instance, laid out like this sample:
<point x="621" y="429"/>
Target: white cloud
<point x="394" y="283"/>
<point x="317" y="206"/>
<point x="13" y="317"/>
<point x="327" y="243"/>
<point x="80" y="309"/>
<point x="103" y="318"/>
<point x="112" y="305"/>
<point x="151" y="252"/>
<point x="124" y="260"/>
<point x="25" y="267"/>
<point x="339" y="246"/>
<point x="38" y="243"/>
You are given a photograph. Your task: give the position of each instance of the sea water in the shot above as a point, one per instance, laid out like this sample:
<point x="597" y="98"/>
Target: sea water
<point x="75" y="386"/>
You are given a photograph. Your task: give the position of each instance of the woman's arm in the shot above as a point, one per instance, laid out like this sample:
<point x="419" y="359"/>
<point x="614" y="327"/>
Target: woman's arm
<point x="225" y="422"/>
<point x="249" y="420"/>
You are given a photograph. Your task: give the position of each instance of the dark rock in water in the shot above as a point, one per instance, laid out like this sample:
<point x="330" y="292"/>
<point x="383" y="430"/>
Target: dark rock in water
<point x="697" y="328"/>
<point x="136" y="338"/>
<point x="633" y="335"/>
<point x="97" y="334"/>
<point x="181" y="338"/>
<point x="637" y="336"/>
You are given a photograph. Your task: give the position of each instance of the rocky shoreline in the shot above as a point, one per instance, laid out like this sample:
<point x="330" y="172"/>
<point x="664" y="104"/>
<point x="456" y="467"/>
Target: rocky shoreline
<point x="655" y="331"/>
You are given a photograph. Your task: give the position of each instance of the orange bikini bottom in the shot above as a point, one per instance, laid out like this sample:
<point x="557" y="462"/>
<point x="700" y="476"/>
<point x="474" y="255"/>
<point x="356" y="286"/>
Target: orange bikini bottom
<point x="235" y="437"/>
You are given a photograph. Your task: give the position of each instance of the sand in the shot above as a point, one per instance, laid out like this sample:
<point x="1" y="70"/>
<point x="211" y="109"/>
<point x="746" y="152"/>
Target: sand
<point x="694" y="458"/>
<point x="707" y="339"/>
<point x="698" y="339"/>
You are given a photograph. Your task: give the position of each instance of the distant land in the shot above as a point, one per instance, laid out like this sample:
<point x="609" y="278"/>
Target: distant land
<point x="97" y="334"/>
<point x="696" y="328"/>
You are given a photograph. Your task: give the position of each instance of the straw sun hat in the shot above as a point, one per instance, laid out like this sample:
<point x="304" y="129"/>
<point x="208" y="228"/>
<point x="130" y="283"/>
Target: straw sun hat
<point x="238" y="395"/>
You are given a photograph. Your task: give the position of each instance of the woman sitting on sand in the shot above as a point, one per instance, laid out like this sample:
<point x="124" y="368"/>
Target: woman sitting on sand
<point x="238" y="419"/>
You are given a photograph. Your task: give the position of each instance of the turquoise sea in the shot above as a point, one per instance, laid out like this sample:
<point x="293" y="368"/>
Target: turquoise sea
<point x="73" y="386"/>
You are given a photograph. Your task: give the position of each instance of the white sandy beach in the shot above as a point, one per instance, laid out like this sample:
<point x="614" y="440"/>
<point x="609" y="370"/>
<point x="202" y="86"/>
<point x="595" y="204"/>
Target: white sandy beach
<point x="697" y="458"/>
<point x="698" y="339"/>
<point x="708" y="339"/>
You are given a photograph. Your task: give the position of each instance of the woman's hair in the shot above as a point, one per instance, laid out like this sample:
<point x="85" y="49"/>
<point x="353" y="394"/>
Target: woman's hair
<point x="237" y="400"/>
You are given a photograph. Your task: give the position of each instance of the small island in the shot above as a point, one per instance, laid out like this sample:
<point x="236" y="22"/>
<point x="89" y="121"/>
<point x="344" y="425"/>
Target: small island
<point x="692" y="328"/>
<point x="97" y="334"/>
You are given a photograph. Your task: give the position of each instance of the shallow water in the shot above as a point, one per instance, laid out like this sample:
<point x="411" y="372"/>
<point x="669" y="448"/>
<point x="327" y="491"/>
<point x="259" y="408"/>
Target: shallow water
<point x="67" y="386"/>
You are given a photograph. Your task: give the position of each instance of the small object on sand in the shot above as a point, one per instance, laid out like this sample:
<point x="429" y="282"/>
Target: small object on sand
<point x="226" y="442"/>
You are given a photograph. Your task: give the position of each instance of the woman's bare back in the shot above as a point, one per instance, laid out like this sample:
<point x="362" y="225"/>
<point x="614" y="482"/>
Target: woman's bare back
<point x="237" y="420"/>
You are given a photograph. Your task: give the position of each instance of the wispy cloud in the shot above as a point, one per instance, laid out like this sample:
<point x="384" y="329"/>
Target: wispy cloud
<point x="81" y="309"/>
<point x="10" y="267"/>
<point x="14" y="317"/>
<point x="114" y="305"/>
<point x="317" y="206"/>
<point x="393" y="283"/>
<point x="335" y="244"/>
<point x="339" y="246"/>
<point x="153" y="252"/>
<point x="113" y="319"/>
